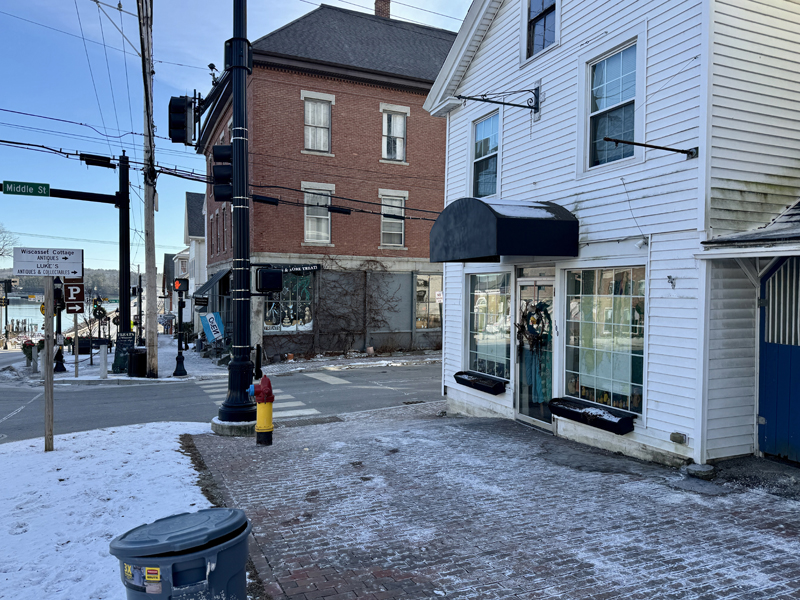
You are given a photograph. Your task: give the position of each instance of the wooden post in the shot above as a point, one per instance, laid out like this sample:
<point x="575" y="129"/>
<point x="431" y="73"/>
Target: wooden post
<point x="75" y="348"/>
<point x="47" y="365"/>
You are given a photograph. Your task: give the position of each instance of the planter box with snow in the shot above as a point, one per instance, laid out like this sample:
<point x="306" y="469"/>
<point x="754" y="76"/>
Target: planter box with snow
<point x="481" y="382"/>
<point x="591" y="415"/>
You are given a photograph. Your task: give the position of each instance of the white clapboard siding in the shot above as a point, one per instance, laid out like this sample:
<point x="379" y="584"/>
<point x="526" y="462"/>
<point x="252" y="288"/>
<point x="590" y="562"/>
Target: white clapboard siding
<point x="672" y="333"/>
<point x="538" y="158"/>
<point x="453" y="338"/>
<point x="755" y="157"/>
<point x="731" y="362"/>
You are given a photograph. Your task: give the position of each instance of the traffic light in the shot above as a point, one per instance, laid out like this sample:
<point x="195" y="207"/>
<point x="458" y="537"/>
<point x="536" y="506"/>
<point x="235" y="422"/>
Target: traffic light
<point x="95" y="303"/>
<point x="7" y="285"/>
<point x="223" y="174"/>
<point x="269" y="280"/>
<point x="181" y="285"/>
<point x="181" y="120"/>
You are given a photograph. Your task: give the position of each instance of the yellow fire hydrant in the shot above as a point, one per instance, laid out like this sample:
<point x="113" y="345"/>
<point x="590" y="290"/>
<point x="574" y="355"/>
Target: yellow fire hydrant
<point x="264" y="399"/>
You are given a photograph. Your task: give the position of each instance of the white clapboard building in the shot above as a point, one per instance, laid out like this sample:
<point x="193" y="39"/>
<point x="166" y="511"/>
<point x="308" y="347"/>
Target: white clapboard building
<point x="655" y="282"/>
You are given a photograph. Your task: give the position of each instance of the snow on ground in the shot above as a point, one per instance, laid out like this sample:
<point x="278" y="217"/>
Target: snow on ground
<point x="59" y="510"/>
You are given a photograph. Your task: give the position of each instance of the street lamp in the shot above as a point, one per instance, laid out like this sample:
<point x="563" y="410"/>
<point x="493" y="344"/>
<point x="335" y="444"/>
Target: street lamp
<point x="58" y="295"/>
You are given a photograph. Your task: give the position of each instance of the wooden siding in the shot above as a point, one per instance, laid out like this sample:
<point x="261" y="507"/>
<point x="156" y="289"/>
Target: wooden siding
<point x="731" y="362"/>
<point x="672" y="334"/>
<point x="755" y="128"/>
<point x="538" y="159"/>
<point x="453" y="334"/>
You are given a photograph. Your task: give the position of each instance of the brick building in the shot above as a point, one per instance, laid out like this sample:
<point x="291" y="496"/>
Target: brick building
<point x="338" y="137"/>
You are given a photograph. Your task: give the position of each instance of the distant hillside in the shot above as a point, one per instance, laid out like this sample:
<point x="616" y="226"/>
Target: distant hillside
<point x="106" y="281"/>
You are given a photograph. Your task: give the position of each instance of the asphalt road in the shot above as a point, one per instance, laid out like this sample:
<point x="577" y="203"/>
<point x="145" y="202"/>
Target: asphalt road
<point x="9" y="357"/>
<point x="297" y="395"/>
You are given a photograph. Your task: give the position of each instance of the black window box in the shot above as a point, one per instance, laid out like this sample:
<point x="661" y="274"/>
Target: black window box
<point x="603" y="418"/>
<point x="483" y="383"/>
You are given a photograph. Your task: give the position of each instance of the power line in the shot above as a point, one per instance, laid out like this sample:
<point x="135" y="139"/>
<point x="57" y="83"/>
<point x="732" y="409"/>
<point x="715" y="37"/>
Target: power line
<point x="71" y="239"/>
<point x="164" y="62"/>
<point x="108" y="68"/>
<point x="89" y="62"/>
<point x="92" y="127"/>
<point x="433" y="12"/>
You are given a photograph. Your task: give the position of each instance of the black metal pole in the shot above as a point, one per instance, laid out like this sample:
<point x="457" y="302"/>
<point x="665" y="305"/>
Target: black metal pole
<point x="59" y="291"/>
<point x="238" y="405"/>
<point x="180" y="370"/>
<point x="8" y="304"/>
<point x="124" y="204"/>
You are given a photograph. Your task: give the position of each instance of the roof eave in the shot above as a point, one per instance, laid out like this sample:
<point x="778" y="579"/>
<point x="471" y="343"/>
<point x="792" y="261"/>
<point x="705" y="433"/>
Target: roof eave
<point x="274" y="59"/>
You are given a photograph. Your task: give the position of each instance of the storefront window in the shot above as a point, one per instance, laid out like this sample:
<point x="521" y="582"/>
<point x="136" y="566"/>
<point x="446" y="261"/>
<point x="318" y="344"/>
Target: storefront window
<point x="430" y="301"/>
<point x="605" y="336"/>
<point x="490" y="324"/>
<point x="291" y="309"/>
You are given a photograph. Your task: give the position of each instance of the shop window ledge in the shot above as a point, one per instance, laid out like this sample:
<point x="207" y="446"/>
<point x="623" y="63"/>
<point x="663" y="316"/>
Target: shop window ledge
<point x="481" y="382"/>
<point x="607" y="419"/>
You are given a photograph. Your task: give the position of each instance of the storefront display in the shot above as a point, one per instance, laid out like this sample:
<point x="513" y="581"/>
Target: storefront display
<point x="291" y="309"/>
<point x="490" y="325"/>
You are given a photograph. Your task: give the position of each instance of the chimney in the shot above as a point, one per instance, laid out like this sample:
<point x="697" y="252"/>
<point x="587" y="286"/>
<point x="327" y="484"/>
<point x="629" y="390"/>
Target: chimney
<point x="382" y="8"/>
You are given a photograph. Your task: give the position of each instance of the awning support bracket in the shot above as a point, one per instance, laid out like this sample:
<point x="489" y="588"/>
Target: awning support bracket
<point x="690" y="153"/>
<point x="531" y="103"/>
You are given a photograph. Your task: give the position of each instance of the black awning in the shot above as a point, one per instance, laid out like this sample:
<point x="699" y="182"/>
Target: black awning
<point x="206" y="287"/>
<point x="472" y="230"/>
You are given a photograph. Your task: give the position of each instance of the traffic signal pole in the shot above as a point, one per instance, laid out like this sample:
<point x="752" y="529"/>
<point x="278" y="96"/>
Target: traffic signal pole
<point x="238" y="405"/>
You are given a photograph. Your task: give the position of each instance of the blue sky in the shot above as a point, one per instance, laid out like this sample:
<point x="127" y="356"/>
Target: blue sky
<point x="48" y="75"/>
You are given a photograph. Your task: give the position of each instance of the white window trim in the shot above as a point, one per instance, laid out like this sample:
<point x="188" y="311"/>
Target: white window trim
<point x="560" y="316"/>
<point x="307" y="95"/>
<point x="636" y="35"/>
<point x="523" y="35"/>
<point x="403" y="110"/>
<point x="396" y="108"/>
<point x="311" y="187"/>
<point x="471" y="170"/>
<point x="384" y="193"/>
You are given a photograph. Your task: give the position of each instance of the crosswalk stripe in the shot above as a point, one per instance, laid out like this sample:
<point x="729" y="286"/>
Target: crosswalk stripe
<point x="287" y="404"/>
<point x="295" y="413"/>
<point x="326" y="378"/>
<point x="284" y="397"/>
<point x="213" y="396"/>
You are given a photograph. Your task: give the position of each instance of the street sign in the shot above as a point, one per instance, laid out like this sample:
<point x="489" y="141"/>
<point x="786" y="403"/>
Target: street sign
<point x="41" y="308"/>
<point x="74" y="309"/>
<point x="49" y="262"/>
<point x="73" y="293"/>
<point x="201" y="301"/>
<point x="24" y="188"/>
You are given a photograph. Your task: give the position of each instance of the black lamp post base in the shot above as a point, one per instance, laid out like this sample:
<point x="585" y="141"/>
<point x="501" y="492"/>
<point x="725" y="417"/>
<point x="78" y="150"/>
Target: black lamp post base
<point x="238" y="406"/>
<point x="59" y="368"/>
<point x="180" y="371"/>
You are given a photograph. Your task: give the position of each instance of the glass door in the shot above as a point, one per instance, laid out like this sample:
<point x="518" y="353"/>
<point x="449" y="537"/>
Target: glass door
<point x="534" y="331"/>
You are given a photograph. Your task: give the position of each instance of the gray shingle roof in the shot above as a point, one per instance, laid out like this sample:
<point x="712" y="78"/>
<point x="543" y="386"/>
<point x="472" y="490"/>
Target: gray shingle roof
<point x="338" y="36"/>
<point x="784" y="228"/>
<point x="194" y="214"/>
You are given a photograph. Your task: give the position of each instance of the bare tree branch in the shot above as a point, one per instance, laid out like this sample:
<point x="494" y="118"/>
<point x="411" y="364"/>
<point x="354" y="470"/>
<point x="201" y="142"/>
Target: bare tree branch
<point x="7" y="242"/>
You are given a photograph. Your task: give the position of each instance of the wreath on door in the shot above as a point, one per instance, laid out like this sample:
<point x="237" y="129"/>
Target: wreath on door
<point x="534" y="326"/>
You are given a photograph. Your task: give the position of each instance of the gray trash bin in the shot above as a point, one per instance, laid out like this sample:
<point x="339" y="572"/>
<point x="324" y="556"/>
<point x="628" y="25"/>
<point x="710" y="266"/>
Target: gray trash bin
<point x="185" y="557"/>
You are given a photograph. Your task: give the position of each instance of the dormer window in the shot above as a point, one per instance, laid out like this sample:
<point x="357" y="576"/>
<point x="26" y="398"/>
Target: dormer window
<point x="541" y="25"/>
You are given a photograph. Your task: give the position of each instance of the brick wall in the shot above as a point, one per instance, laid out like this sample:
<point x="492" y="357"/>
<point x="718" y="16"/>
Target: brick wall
<point x="276" y="122"/>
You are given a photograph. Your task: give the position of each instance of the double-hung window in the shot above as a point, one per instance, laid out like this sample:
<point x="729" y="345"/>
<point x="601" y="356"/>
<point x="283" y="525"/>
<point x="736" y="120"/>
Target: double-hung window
<point x="317" y="125"/>
<point x="317" y="217"/>
<point x="394" y="136"/>
<point x="484" y="168"/>
<point x="612" y="107"/>
<point x="392" y="219"/>
<point x="541" y="25"/>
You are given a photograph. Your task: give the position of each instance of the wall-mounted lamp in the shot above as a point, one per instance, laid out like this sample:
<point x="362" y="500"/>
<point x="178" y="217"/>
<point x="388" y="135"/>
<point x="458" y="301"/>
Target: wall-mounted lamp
<point x="671" y="281"/>
<point x="641" y="243"/>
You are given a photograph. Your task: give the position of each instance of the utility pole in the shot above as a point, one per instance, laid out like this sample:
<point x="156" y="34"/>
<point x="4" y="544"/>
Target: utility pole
<point x="47" y="363"/>
<point x="151" y="319"/>
<point x="238" y="406"/>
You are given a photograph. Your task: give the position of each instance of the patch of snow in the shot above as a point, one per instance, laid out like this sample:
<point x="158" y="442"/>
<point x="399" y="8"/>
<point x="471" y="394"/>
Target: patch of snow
<point x="61" y="509"/>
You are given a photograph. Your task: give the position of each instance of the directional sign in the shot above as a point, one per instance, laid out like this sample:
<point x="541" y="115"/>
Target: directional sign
<point x="75" y="309"/>
<point x="24" y="188"/>
<point x="48" y="262"/>
<point x="73" y="293"/>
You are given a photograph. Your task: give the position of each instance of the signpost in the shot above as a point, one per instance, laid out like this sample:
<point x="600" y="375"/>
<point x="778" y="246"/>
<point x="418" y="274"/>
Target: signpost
<point x="74" y="297"/>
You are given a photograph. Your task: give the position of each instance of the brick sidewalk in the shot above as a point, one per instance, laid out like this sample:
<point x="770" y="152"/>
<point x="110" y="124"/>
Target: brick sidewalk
<point x="399" y="503"/>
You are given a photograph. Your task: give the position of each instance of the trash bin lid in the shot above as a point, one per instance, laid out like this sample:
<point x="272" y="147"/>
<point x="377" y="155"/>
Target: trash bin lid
<point x="178" y="532"/>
